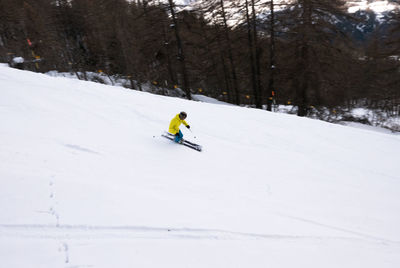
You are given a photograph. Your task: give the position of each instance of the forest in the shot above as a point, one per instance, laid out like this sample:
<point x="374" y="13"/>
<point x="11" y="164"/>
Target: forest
<point x="245" y="52"/>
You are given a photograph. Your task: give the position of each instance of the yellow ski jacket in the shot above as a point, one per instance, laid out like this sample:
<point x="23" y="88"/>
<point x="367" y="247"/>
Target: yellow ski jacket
<point x="175" y="123"/>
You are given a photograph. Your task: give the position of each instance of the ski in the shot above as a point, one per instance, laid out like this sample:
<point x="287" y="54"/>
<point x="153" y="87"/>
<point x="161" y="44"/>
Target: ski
<point x="186" y="143"/>
<point x="189" y="142"/>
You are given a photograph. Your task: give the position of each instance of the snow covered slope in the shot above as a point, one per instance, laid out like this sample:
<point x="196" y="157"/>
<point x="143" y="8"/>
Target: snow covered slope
<point x="378" y="6"/>
<point x="87" y="181"/>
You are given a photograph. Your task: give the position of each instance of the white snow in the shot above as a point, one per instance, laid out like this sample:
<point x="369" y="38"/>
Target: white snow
<point x="370" y="128"/>
<point x="376" y="6"/>
<point x="87" y="181"/>
<point x="18" y="60"/>
<point x="202" y="98"/>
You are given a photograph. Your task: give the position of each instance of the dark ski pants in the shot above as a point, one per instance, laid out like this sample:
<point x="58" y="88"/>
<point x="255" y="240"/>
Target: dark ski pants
<point x="178" y="136"/>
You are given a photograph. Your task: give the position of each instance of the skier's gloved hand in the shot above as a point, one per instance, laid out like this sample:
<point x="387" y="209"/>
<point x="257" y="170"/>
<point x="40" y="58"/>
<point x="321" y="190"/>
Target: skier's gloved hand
<point x="188" y="126"/>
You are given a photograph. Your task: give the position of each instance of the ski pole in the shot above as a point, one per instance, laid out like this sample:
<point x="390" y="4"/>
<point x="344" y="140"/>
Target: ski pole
<point x="192" y="132"/>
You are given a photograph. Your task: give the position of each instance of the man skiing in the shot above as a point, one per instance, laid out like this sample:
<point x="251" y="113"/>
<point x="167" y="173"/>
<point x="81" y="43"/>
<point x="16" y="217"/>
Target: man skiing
<point x="174" y="126"/>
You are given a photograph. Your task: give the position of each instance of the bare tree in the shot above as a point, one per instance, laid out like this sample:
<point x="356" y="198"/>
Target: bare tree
<point x="271" y="86"/>
<point x="316" y="40"/>
<point x="181" y="54"/>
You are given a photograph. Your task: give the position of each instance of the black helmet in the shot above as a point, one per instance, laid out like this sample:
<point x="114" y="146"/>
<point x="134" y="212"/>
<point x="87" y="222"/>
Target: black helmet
<point x="182" y="115"/>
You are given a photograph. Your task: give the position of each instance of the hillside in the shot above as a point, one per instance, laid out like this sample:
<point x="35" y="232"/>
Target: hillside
<point x="87" y="181"/>
<point x="368" y="15"/>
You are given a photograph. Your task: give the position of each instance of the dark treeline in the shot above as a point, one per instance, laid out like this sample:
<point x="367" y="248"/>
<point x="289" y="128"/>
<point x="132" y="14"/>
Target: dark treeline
<point x="263" y="53"/>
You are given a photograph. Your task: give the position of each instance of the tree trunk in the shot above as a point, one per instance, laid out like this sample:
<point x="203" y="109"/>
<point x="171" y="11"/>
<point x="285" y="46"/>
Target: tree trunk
<point x="257" y="58"/>
<point x="232" y="63"/>
<point x="271" y="88"/>
<point x="251" y="53"/>
<point x="224" y="68"/>
<point x="305" y="59"/>
<point x="181" y="55"/>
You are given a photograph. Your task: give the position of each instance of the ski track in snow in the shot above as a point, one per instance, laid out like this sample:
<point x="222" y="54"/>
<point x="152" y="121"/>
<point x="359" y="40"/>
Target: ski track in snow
<point x="76" y="232"/>
<point x="63" y="245"/>
<point x="80" y="148"/>
<point x="366" y="236"/>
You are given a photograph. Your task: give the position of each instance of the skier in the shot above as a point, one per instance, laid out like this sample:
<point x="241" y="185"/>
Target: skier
<point x="174" y="126"/>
